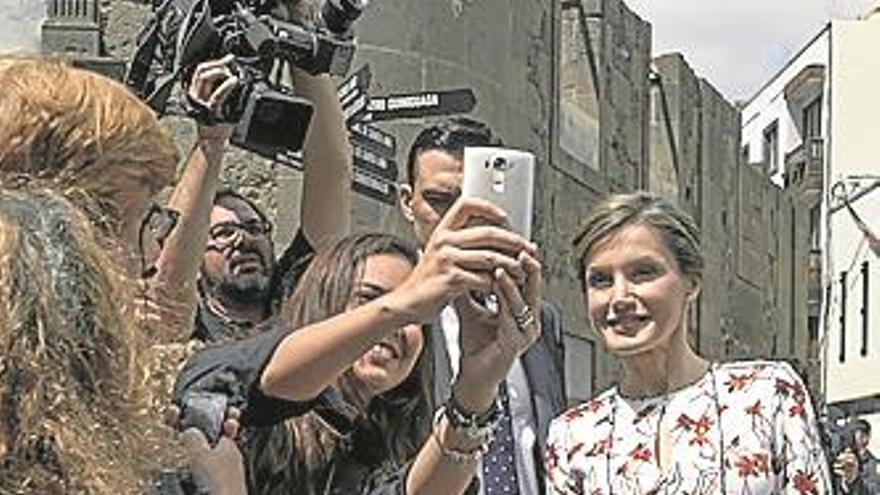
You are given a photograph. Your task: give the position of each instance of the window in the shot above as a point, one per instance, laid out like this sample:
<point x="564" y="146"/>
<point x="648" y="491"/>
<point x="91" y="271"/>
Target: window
<point x="815" y="220"/>
<point x="578" y="117"/>
<point x="771" y="148"/>
<point x="811" y="123"/>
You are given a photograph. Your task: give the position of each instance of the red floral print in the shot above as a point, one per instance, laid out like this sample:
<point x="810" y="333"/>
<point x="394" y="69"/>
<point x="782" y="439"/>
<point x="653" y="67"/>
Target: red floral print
<point x="729" y="429"/>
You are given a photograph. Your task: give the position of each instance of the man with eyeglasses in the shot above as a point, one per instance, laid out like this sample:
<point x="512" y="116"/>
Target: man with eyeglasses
<point x="240" y="283"/>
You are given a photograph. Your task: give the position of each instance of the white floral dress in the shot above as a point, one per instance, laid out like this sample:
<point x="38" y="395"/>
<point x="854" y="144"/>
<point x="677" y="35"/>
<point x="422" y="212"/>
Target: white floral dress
<point x="742" y="428"/>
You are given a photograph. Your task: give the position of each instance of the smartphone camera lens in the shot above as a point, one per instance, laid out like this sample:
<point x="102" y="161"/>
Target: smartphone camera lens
<point x="499" y="163"/>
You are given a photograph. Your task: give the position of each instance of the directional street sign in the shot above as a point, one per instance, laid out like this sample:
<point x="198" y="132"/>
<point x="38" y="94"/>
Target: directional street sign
<point x="353" y="93"/>
<point x="374" y="186"/>
<point x="417" y="105"/>
<point x="368" y="136"/>
<point x="367" y="159"/>
<point x="372" y="179"/>
<point x="374" y="151"/>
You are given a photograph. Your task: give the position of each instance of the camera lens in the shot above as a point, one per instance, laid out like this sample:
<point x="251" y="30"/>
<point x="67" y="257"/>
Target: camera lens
<point x="499" y="163"/>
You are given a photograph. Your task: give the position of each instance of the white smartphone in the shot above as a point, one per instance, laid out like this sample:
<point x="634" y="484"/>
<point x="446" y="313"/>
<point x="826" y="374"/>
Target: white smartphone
<point x="505" y="177"/>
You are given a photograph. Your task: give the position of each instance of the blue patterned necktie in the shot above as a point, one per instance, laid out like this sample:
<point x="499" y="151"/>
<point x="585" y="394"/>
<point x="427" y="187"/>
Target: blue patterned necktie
<point x="499" y="464"/>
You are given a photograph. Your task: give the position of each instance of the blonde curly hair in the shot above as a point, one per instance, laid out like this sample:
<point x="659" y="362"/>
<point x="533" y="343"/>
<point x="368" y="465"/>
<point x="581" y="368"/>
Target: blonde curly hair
<point x="74" y="415"/>
<point x="82" y="131"/>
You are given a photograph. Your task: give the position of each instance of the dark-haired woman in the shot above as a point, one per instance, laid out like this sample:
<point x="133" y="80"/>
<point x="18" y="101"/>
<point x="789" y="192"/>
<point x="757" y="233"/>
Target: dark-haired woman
<point x="676" y="423"/>
<point x="356" y="372"/>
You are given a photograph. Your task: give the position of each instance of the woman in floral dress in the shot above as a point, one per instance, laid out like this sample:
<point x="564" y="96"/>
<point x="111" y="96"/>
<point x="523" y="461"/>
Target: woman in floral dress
<point x="676" y="423"/>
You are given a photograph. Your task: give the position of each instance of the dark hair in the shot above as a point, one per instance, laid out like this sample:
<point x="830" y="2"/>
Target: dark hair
<point x="294" y="457"/>
<point x="862" y="426"/>
<point x="222" y="196"/>
<point x="452" y="136"/>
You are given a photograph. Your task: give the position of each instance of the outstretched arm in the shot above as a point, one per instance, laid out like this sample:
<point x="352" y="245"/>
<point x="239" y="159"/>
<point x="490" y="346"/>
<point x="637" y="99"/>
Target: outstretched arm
<point x="326" y="192"/>
<point x="490" y="345"/>
<point x="171" y="290"/>
<point x="456" y="260"/>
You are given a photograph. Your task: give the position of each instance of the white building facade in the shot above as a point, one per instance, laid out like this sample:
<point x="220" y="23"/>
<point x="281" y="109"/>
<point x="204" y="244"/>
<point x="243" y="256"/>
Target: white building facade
<point x="816" y="127"/>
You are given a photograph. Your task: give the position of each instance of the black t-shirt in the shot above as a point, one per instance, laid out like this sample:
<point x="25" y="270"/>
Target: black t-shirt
<point x="233" y="369"/>
<point x="211" y="327"/>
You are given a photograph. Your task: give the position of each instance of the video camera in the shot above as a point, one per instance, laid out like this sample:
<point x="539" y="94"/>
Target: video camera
<point x="270" y="119"/>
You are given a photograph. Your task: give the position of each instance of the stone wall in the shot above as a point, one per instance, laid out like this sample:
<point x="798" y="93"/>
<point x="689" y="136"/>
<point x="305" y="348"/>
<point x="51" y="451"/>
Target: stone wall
<point x="570" y="82"/>
<point x="753" y="297"/>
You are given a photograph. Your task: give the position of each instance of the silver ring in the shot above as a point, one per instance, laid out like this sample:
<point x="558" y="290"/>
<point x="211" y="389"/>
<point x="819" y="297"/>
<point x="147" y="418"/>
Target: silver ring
<point x="525" y="318"/>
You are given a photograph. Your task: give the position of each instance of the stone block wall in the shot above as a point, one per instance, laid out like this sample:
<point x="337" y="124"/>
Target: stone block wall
<point x="753" y="298"/>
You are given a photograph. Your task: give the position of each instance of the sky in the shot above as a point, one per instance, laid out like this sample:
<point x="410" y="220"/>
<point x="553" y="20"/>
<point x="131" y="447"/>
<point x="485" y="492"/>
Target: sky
<point x="20" y="24"/>
<point x="737" y="45"/>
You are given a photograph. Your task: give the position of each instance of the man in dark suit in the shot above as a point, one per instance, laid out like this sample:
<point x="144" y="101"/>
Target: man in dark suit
<point x="534" y="391"/>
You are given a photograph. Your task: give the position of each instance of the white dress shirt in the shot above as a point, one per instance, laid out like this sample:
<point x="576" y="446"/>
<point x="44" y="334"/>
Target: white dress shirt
<point x="521" y="410"/>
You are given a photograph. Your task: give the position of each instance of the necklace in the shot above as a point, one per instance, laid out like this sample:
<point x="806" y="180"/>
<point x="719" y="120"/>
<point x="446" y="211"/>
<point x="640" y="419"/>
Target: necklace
<point x="665" y="482"/>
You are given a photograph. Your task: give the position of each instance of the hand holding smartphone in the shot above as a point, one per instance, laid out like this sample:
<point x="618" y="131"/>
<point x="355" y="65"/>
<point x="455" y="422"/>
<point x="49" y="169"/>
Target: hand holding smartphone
<point x="505" y="177"/>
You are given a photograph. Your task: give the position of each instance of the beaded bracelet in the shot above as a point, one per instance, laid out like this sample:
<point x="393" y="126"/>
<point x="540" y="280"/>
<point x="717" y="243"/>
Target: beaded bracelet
<point x="455" y="455"/>
<point x="477" y="427"/>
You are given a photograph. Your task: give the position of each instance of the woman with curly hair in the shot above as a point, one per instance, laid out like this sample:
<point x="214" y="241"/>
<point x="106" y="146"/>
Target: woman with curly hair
<point x="80" y="159"/>
<point x="72" y="391"/>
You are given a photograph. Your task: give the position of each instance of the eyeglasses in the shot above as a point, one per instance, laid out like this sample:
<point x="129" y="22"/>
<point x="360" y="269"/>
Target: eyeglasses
<point x="160" y="221"/>
<point x="226" y="233"/>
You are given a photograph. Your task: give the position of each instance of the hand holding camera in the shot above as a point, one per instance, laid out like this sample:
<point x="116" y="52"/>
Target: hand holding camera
<point x="208" y="412"/>
<point x="210" y="86"/>
<point x="270" y="119"/>
<point x="215" y="468"/>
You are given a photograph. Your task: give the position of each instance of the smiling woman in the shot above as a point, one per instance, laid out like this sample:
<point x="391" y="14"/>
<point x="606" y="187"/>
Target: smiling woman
<point x="676" y="423"/>
<point x="389" y="383"/>
<point x="335" y="395"/>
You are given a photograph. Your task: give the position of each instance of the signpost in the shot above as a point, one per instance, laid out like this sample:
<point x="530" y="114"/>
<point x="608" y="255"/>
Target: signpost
<point x="353" y="93"/>
<point x="374" y="151"/>
<point x="373" y="138"/>
<point x="373" y="186"/>
<point x="418" y="105"/>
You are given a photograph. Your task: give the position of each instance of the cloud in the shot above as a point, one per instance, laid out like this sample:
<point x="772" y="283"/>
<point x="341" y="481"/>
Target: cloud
<point x="739" y="45"/>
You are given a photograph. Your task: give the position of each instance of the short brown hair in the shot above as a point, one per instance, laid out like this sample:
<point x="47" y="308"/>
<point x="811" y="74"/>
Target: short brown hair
<point x="679" y="232"/>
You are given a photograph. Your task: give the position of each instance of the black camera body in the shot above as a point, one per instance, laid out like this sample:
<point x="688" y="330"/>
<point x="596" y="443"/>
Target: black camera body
<point x="270" y="118"/>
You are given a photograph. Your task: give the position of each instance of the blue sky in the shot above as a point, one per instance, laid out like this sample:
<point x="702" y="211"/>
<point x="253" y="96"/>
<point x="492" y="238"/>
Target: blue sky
<point x="738" y="45"/>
